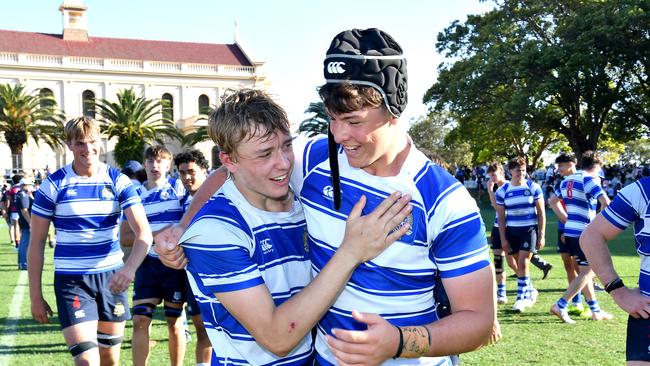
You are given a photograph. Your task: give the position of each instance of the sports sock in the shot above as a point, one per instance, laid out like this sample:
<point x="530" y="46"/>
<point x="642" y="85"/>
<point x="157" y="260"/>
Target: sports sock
<point x="593" y="305"/>
<point x="577" y="299"/>
<point x="501" y="290"/>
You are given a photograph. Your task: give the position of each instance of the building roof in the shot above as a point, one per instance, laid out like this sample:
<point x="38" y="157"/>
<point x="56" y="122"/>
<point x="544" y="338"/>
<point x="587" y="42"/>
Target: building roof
<point x="122" y="49"/>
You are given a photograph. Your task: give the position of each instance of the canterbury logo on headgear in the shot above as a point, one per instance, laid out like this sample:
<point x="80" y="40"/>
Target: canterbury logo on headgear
<point x="336" y="67"/>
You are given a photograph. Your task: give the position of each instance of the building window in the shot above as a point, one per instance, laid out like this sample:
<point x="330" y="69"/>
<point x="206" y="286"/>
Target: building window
<point x="216" y="162"/>
<point x="168" y="107"/>
<point x="88" y="103"/>
<point x="46" y="98"/>
<point x="204" y="104"/>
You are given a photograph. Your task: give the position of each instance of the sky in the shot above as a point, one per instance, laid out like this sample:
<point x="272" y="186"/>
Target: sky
<point x="290" y="36"/>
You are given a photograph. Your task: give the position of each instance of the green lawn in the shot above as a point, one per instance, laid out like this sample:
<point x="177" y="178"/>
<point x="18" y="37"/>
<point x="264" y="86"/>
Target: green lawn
<point x="532" y="337"/>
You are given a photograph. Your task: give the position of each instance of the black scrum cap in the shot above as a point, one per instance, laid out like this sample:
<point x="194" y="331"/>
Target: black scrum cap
<point x="365" y="57"/>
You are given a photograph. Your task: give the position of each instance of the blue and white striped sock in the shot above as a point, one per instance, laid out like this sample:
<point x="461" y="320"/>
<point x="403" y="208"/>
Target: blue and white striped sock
<point x="501" y="290"/>
<point x="577" y="299"/>
<point x="562" y="304"/>
<point x="593" y="305"/>
<point x="521" y="288"/>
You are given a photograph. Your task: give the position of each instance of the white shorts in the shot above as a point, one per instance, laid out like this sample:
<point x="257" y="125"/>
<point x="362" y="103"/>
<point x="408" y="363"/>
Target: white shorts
<point x="14" y="216"/>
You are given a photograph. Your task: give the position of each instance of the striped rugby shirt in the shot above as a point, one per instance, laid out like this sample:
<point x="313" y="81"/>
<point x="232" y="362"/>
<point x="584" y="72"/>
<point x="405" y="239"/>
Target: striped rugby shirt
<point x="86" y="213"/>
<point x="447" y="235"/>
<point x="580" y="193"/>
<point x="519" y="202"/>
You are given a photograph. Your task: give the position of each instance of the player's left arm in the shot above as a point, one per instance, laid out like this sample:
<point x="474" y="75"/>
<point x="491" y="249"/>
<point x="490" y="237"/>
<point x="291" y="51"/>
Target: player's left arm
<point x="541" y="223"/>
<point x="137" y="221"/>
<point x="467" y="328"/>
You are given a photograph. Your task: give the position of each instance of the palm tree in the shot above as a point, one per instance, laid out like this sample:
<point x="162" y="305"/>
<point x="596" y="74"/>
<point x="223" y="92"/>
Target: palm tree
<point x="316" y="124"/>
<point x="24" y="115"/>
<point x="136" y="121"/>
<point x="201" y="133"/>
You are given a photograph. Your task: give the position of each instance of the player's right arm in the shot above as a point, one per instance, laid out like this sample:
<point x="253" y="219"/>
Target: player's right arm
<point x="35" y="256"/>
<point x="557" y="208"/>
<point x="280" y="329"/>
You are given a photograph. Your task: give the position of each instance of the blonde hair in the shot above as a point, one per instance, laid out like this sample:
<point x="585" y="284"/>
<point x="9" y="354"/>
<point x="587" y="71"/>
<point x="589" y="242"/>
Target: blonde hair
<point x="81" y="127"/>
<point x="242" y="114"/>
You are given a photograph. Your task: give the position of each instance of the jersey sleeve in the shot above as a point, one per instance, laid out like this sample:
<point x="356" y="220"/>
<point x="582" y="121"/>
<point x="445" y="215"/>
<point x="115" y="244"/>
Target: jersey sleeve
<point x="537" y="192"/>
<point x="459" y="245"/>
<point x="626" y="207"/>
<point x="221" y="262"/>
<point x="499" y="196"/>
<point x="595" y="190"/>
<point x="45" y="199"/>
<point x="127" y="192"/>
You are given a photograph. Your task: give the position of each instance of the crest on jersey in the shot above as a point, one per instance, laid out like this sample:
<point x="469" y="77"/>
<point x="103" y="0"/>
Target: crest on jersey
<point x="119" y="309"/>
<point x="527" y="192"/>
<point x="164" y="195"/>
<point x="107" y="193"/>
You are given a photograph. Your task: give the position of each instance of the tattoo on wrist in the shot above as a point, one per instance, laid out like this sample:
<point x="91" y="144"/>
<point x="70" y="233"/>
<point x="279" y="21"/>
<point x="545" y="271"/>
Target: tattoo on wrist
<point x="417" y="341"/>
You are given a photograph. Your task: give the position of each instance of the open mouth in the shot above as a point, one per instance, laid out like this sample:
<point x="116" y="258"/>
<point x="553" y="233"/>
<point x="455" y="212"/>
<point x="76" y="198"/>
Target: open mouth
<point x="279" y="178"/>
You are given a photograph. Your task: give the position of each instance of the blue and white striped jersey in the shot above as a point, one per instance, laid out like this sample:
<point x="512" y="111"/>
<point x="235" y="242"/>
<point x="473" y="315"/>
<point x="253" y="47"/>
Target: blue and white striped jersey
<point x="86" y="213"/>
<point x="447" y="235"/>
<point x="580" y="193"/>
<point x="632" y="205"/>
<point x="162" y="204"/>
<point x="231" y="246"/>
<point x="519" y="202"/>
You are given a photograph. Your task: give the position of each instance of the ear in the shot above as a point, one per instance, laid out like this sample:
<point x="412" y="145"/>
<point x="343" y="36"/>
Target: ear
<point x="228" y="161"/>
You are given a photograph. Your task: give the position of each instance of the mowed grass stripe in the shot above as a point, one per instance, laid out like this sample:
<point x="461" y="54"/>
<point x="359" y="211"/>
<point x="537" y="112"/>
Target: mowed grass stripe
<point x="10" y="325"/>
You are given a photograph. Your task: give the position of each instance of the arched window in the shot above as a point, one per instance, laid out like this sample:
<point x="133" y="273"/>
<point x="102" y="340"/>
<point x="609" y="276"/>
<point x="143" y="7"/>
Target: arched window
<point x="168" y="107"/>
<point x="46" y="98"/>
<point x="204" y="104"/>
<point x="88" y="103"/>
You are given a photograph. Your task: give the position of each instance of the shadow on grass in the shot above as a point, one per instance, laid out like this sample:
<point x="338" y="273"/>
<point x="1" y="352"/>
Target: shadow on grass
<point x="41" y="348"/>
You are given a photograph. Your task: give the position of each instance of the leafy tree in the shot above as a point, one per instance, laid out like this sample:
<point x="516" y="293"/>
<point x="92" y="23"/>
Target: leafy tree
<point x="24" y="115"/>
<point x="318" y="123"/>
<point x="430" y="135"/>
<point x="136" y="121"/>
<point x="549" y="65"/>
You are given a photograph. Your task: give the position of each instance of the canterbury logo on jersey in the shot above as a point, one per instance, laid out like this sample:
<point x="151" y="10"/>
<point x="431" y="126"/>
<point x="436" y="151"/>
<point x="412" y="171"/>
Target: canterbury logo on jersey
<point x="328" y="192"/>
<point x="336" y="67"/>
<point x="266" y="245"/>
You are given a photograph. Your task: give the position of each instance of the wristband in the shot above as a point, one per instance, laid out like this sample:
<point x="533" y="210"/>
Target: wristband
<point x="401" y="343"/>
<point x="613" y="285"/>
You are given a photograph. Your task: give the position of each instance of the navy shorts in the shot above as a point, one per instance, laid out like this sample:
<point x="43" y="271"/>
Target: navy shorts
<point x="576" y="251"/>
<point x="86" y="297"/>
<point x="154" y="280"/>
<point x="495" y="238"/>
<point x="638" y="340"/>
<point x="522" y="238"/>
<point x="562" y="247"/>
<point x="192" y="304"/>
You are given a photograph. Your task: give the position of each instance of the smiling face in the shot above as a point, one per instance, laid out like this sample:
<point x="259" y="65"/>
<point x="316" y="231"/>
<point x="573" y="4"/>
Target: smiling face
<point x="518" y="173"/>
<point x="192" y="175"/>
<point x="367" y="137"/>
<point x="261" y="169"/>
<point x="85" y="151"/>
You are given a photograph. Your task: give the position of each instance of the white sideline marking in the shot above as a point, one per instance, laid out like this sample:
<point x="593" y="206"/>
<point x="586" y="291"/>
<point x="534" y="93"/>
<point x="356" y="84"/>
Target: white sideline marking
<point x="9" y="333"/>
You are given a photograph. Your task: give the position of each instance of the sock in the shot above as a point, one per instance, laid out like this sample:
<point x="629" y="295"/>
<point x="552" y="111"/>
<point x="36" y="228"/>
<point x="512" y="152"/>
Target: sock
<point x="521" y="288"/>
<point x="577" y="299"/>
<point x="593" y="305"/>
<point x="562" y="304"/>
<point x="538" y="262"/>
<point x="501" y="290"/>
<point x="529" y="288"/>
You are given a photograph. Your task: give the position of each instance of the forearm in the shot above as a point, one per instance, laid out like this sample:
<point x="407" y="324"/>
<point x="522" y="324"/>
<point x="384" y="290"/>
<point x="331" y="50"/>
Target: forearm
<point x="292" y="320"/>
<point x="35" y="259"/>
<point x="207" y="189"/>
<point x="138" y="253"/>
<point x="448" y="338"/>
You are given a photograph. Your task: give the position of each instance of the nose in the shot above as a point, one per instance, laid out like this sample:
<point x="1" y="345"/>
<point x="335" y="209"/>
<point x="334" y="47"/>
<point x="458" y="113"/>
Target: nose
<point x="284" y="159"/>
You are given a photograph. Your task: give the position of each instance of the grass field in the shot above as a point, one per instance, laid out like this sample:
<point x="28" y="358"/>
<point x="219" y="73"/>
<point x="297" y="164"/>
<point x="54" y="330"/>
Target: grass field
<point x="534" y="337"/>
